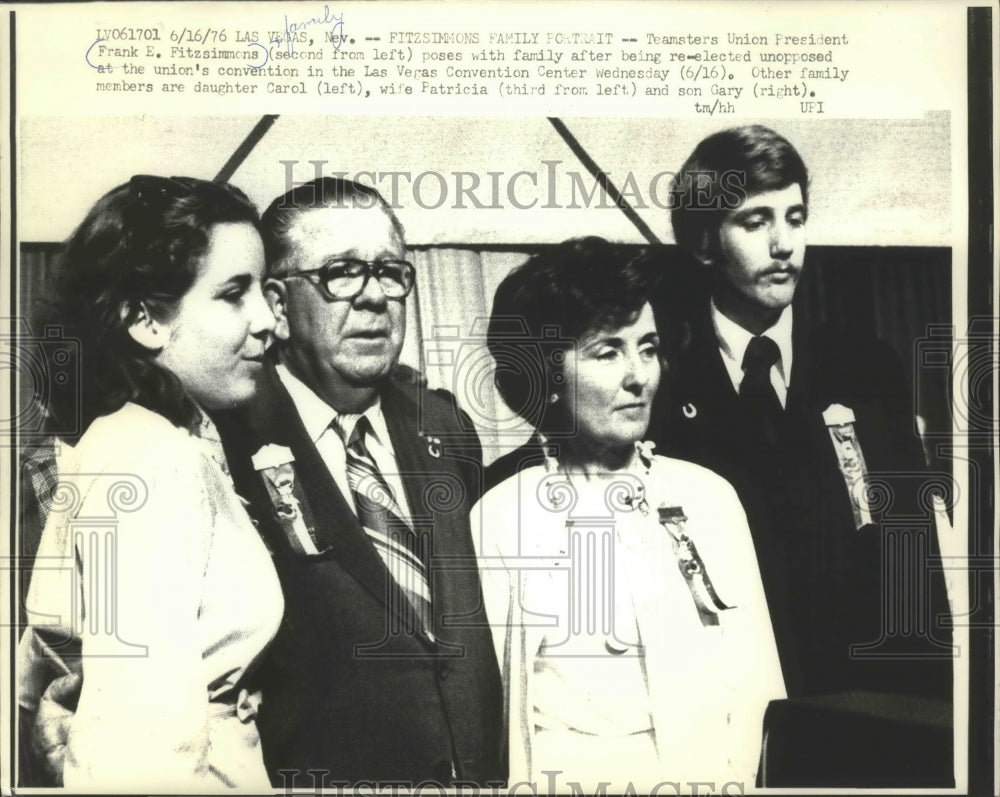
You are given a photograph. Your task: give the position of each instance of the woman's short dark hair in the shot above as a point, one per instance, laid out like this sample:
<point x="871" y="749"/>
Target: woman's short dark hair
<point x="722" y="171"/>
<point x="545" y="305"/>
<point x="323" y="192"/>
<point x="142" y="242"/>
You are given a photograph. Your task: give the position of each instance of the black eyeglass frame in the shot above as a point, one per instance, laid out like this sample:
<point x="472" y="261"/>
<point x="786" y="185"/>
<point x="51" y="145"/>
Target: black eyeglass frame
<point x="367" y="269"/>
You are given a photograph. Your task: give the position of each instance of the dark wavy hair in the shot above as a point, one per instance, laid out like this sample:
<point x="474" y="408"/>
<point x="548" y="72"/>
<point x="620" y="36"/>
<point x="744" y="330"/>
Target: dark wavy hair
<point x="721" y="172"/>
<point x="545" y="305"/>
<point x="323" y="192"/>
<point x="142" y="242"/>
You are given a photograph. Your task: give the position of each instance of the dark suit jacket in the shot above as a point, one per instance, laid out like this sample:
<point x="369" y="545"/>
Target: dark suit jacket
<point x="829" y="585"/>
<point x="348" y="688"/>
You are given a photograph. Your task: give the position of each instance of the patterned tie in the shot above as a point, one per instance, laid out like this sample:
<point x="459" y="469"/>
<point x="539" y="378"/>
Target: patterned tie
<point x="756" y="391"/>
<point x="382" y="519"/>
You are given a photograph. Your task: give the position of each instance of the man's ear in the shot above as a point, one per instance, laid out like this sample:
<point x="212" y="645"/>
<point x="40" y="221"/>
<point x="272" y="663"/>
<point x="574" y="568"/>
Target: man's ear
<point x="277" y="298"/>
<point x="144" y="329"/>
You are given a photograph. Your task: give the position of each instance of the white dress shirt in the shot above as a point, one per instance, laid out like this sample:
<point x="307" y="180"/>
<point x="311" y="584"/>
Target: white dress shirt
<point x="317" y="416"/>
<point x="733" y="342"/>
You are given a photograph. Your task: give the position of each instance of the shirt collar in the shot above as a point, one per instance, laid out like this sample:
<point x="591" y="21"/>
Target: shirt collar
<point x="734" y="339"/>
<point x="376" y="420"/>
<point x="317" y="415"/>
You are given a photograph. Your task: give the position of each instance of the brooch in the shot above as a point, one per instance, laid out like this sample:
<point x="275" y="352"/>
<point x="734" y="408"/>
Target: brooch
<point x="636" y="500"/>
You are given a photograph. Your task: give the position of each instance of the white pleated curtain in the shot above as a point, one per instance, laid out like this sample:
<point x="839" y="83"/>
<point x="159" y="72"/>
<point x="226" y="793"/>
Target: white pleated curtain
<point x="445" y="337"/>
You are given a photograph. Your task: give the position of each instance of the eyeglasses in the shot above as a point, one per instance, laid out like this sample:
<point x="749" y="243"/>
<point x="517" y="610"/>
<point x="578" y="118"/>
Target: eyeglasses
<point x="345" y="278"/>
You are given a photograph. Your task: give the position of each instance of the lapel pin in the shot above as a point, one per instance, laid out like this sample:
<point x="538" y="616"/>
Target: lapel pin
<point x="433" y="444"/>
<point x="689" y="410"/>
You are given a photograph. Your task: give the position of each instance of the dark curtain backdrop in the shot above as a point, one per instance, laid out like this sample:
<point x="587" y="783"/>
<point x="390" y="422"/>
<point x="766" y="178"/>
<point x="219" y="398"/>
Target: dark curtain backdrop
<point x="900" y="294"/>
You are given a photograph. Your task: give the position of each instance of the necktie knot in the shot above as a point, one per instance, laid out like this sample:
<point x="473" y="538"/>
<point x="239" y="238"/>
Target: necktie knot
<point x="761" y="354"/>
<point x="355" y="439"/>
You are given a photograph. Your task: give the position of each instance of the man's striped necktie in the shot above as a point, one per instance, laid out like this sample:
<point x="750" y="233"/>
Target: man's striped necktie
<point x="382" y="519"/>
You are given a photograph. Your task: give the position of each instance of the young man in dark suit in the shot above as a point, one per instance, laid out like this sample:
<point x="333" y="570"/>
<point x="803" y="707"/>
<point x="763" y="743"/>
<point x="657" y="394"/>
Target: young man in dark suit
<point x="383" y="669"/>
<point x="813" y="426"/>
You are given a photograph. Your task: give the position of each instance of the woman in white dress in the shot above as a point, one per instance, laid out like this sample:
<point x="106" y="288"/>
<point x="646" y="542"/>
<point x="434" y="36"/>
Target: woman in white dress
<point x="152" y="594"/>
<point x="622" y="587"/>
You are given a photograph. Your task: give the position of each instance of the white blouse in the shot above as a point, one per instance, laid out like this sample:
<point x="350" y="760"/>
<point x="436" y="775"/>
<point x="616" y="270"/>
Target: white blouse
<point x="150" y="558"/>
<point x="569" y="560"/>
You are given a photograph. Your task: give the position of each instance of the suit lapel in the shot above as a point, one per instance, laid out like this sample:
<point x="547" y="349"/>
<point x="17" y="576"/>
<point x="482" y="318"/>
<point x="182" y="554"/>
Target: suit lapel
<point x="416" y="468"/>
<point x="801" y="385"/>
<point x="336" y="525"/>
<point x="809" y="393"/>
<point x="424" y="477"/>
<point x="401" y="421"/>
<point x="277" y="421"/>
<point x="709" y="401"/>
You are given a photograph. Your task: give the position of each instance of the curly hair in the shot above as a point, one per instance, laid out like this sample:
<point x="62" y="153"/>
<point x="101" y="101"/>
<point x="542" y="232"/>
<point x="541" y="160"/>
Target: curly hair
<point x="545" y="305"/>
<point x="141" y="243"/>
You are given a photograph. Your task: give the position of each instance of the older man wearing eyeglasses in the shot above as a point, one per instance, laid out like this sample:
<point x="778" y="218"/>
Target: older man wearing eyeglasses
<point x="360" y="484"/>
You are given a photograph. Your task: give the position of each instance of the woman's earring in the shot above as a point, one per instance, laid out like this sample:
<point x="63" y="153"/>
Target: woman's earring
<point x="553" y="398"/>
